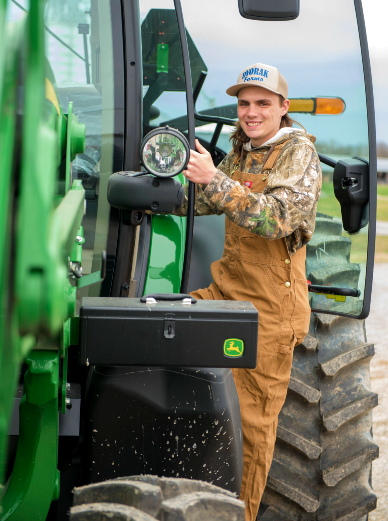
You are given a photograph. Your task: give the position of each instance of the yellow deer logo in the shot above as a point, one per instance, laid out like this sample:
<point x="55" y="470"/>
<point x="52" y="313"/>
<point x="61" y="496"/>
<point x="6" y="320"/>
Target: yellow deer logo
<point x="230" y="348"/>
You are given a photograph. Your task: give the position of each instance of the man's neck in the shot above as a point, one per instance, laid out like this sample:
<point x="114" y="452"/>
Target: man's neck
<point x="285" y="130"/>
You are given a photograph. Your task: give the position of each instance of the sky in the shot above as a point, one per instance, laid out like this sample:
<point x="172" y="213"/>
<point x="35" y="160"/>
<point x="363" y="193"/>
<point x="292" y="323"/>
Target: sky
<point x="318" y="54"/>
<point x="326" y="60"/>
<point x="376" y="13"/>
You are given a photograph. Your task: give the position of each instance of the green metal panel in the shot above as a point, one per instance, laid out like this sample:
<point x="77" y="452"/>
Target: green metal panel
<point x="36" y="297"/>
<point x="168" y="237"/>
<point x="34" y="481"/>
<point x="75" y="142"/>
<point x="9" y="340"/>
<point x="37" y="269"/>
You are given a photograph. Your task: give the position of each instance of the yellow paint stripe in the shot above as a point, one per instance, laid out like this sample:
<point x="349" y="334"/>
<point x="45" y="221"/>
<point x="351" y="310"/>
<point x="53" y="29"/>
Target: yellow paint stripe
<point x="301" y="105"/>
<point x="51" y="96"/>
<point x="331" y="106"/>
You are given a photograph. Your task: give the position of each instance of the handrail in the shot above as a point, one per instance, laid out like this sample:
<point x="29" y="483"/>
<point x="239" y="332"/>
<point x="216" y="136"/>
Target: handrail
<point x="191" y="132"/>
<point x="330" y="290"/>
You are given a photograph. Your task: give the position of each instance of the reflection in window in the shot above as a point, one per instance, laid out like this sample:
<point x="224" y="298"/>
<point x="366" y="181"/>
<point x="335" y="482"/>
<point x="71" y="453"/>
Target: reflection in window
<point x="78" y="32"/>
<point x="67" y="49"/>
<point x="163" y="75"/>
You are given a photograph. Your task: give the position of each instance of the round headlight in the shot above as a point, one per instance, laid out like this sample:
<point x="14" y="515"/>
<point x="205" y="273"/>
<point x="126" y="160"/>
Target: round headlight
<point x="165" y="152"/>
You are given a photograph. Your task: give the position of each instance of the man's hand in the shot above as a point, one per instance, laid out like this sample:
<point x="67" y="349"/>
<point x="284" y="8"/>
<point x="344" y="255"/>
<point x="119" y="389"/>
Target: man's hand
<point x="200" y="168"/>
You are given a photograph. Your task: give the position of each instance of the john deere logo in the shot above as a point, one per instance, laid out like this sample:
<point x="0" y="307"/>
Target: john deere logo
<point x="233" y="347"/>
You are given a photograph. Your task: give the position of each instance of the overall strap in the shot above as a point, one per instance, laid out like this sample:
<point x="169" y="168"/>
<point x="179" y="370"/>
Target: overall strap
<point x="269" y="162"/>
<point x="242" y="155"/>
<point x="274" y="152"/>
<point x="267" y="157"/>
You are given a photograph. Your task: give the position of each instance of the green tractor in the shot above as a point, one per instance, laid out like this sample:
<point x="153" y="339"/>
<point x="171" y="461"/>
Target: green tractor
<point x="107" y="385"/>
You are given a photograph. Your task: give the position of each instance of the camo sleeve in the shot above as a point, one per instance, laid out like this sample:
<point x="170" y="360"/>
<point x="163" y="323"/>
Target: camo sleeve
<point x="287" y="203"/>
<point x="202" y="206"/>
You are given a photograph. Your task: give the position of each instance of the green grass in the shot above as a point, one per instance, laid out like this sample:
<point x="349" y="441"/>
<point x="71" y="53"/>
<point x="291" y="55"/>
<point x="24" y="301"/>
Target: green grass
<point x="328" y="204"/>
<point x="382" y="202"/>
<point x="359" y="247"/>
<point x="382" y="190"/>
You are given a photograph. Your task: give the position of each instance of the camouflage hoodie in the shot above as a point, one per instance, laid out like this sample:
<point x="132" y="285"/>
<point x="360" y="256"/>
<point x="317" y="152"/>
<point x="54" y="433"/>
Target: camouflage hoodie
<point x="288" y="204"/>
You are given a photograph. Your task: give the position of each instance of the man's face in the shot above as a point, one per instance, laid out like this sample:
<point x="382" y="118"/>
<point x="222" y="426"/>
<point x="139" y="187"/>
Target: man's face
<point x="260" y="112"/>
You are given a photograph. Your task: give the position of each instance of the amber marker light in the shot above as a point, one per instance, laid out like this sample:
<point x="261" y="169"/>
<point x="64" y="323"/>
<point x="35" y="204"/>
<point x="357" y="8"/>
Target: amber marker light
<point x="329" y="106"/>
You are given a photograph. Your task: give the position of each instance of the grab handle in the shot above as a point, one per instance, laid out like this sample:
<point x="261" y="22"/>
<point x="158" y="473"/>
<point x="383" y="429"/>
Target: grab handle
<point x="330" y="290"/>
<point x="169" y="296"/>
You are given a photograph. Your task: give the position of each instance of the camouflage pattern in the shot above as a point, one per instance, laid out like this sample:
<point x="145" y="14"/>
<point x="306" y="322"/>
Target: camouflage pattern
<point x="288" y="204"/>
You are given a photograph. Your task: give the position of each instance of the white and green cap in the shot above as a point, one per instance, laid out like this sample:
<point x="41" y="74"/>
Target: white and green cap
<point x="260" y="75"/>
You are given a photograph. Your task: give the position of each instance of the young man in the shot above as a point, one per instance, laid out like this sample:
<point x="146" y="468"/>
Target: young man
<point x="268" y="188"/>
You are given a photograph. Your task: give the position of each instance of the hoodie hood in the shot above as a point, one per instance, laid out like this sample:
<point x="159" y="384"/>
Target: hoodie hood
<point x="282" y="135"/>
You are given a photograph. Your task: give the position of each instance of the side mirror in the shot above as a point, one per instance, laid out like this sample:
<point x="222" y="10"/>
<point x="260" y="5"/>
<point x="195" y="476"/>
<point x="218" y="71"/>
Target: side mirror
<point x="351" y="188"/>
<point x="128" y="192"/>
<point x="270" y="10"/>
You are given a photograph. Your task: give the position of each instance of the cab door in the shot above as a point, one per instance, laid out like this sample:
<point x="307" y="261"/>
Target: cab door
<point x="323" y="54"/>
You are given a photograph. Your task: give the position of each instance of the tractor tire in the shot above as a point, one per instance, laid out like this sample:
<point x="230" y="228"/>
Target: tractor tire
<point x="321" y="468"/>
<point x="147" y="498"/>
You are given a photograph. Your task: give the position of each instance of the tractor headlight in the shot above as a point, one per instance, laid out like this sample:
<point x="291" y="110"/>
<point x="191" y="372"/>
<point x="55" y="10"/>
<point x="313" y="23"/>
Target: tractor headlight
<point x="165" y="152"/>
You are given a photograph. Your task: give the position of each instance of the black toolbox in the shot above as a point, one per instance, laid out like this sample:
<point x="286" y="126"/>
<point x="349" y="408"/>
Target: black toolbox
<point x="204" y="333"/>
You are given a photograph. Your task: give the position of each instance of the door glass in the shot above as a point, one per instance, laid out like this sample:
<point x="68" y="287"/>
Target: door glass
<point x="15" y="11"/>
<point x="80" y="53"/>
<point x="164" y="87"/>
<point x="319" y="55"/>
<point x="164" y="99"/>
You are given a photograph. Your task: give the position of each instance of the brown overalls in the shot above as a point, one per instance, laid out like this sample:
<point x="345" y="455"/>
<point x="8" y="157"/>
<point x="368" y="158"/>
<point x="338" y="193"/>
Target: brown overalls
<point x="259" y="270"/>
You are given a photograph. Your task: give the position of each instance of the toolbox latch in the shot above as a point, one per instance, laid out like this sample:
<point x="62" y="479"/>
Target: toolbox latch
<point x="169" y="325"/>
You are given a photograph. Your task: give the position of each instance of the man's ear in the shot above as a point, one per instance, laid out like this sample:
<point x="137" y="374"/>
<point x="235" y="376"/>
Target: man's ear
<point x="285" y="106"/>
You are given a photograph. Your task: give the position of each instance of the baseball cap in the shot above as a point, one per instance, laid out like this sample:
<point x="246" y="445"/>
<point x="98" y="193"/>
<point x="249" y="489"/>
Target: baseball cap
<point x="260" y="75"/>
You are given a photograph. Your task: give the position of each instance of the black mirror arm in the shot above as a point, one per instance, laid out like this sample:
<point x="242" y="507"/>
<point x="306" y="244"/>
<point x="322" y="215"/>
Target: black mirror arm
<point x="327" y="160"/>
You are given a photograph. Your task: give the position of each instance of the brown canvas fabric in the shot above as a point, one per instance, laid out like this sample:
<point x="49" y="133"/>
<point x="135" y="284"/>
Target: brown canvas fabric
<point x="262" y="271"/>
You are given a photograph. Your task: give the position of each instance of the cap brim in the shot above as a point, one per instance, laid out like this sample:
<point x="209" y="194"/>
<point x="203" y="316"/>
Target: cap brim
<point x="234" y="89"/>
